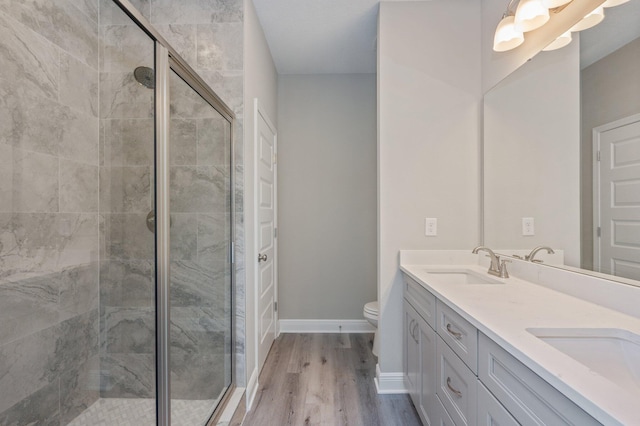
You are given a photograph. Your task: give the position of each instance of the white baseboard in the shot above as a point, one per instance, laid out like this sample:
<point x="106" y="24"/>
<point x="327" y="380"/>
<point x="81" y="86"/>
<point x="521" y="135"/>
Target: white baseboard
<point x="388" y="383"/>
<point x="325" y="326"/>
<point x="252" y="388"/>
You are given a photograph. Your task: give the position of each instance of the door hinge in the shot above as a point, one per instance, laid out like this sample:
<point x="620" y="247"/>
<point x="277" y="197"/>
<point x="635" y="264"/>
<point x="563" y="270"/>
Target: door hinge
<point x="275" y="158"/>
<point x="275" y="232"/>
<point x="599" y="231"/>
<point x="275" y="306"/>
<point x="598" y="156"/>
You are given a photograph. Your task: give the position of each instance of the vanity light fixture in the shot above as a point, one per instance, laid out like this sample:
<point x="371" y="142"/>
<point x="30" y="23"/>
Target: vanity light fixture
<point x="533" y="14"/>
<point x="530" y="15"/>
<point x="559" y="43"/>
<point x="507" y="37"/>
<point x="592" y="19"/>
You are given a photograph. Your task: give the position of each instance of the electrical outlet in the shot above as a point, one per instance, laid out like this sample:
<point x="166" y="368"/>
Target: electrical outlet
<point x="528" y="226"/>
<point x="431" y="226"/>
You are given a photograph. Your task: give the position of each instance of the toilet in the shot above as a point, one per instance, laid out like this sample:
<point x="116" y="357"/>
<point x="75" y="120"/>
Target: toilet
<point x="370" y="313"/>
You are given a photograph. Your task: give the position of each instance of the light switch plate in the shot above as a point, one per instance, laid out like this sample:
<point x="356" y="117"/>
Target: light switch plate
<point x="431" y="226"/>
<point x="528" y="226"/>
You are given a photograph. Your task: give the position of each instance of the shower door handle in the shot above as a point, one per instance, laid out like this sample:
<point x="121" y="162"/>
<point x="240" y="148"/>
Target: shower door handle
<point x="151" y="221"/>
<point x="262" y="258"/>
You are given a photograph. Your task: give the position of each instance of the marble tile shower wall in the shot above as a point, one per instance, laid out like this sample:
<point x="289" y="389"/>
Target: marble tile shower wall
<point x="67" y="220"/>
<point x="49" y="220"/>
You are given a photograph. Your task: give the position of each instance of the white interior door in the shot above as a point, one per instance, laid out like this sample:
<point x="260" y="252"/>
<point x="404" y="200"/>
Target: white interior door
<point x="617" y="248"/>
<point x="266" y="234"/>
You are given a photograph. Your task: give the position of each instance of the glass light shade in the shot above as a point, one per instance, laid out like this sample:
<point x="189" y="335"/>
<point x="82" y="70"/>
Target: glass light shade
<point x="506" y="36"/>
<point x="530" y="15"/>
<point x="551" y="4"/>
<point x="560" y="42"/>
<point x="612" y="3"/>
<point x="592" y="19"/>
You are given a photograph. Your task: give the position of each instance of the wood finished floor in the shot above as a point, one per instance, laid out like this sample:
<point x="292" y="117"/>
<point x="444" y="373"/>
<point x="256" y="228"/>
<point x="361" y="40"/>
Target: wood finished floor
<point x="325" y="379"/>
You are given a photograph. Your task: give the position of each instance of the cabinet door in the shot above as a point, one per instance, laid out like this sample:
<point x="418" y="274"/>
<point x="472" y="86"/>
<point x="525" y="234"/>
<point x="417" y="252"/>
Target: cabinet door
<point x="428" y="404"/>
<point x="527" y="396"/>
<point x="490" y="411"/>
<point x="411" y="353"/>
<point x="456" y="386"/>
<point x="442" y="418"/>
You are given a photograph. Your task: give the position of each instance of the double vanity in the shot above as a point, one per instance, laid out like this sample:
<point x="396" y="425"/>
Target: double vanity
<point x="531" y="349"/>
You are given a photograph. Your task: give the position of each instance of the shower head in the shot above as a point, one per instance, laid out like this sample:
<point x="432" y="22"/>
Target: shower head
<point x="145" y="76"/>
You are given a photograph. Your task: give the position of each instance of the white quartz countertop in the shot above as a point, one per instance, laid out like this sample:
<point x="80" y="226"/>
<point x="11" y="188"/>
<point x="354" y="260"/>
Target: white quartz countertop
<point x="505" y="312"/>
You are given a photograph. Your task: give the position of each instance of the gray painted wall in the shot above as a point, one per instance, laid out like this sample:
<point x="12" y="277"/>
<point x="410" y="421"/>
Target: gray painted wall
<point x="260" y="81"/>
<point x="327" y="195"/>
<point x="428" y="146"/>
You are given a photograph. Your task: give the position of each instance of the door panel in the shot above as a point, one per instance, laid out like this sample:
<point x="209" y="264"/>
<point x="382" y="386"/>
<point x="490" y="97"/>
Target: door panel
<point x="266" y="147"/>
<point x="619" y="187"/>
<point x="201" y="273"/>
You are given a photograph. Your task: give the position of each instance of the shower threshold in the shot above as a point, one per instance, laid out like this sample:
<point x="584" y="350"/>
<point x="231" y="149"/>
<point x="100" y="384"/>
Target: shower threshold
<point x="142" y="412"/>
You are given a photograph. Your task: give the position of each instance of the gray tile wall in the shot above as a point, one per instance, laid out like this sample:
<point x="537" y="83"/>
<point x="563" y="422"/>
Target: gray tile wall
<point x="49" y="220"/>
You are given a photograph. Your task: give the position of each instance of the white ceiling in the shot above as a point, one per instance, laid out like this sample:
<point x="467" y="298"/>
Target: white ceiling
<point x="339" y="36"/>
<point x="320" y="36"/>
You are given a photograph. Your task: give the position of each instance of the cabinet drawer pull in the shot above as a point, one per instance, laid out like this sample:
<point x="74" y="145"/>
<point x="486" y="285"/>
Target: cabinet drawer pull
<point x="455" y="334"/>
<point x="413" y="332"/>
<point x="411" y="329"/>
<point x="452" y="389"/>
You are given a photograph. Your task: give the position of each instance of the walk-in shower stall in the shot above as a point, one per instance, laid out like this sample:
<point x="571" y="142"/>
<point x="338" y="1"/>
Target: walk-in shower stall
<point x="116" y="224"/>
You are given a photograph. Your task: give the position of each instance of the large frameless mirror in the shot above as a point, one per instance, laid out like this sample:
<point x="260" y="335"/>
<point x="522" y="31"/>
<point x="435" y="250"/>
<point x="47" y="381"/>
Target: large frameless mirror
<point x="544" y="125"/>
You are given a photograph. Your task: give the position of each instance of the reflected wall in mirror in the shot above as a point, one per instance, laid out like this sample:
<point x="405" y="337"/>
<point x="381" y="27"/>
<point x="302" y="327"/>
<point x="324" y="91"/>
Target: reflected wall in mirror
<point x="539" y="127"/>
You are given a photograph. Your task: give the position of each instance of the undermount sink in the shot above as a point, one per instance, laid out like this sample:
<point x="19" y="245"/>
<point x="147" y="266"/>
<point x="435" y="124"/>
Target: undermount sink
<point x="612" y="353"/>
<point x="459" y="276"/>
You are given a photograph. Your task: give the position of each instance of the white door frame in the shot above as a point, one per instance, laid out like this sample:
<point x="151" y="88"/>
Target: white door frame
<point x="597" y="131"/>
<point x="259" y="112"/>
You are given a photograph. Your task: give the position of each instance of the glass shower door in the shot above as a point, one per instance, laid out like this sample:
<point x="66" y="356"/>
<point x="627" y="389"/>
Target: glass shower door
<point x="201" y="274"/>
<point x="127" y="200"/>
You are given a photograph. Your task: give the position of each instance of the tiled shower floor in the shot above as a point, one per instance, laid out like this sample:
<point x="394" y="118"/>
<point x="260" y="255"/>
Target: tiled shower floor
<point x="142" y="412"/>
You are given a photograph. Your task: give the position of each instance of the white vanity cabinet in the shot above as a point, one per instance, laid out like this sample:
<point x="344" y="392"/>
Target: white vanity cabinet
<point x="420" y="350"/>
<point x="457" y="375"/>
<point x="529" y="398"/>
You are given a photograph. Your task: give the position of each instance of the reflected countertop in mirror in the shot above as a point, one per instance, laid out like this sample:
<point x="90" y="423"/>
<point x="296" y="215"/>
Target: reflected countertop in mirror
<point x="545" y="126"/>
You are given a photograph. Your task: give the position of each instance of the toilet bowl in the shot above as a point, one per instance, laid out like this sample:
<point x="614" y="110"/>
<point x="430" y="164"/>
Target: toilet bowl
<point x="370" y="313"/>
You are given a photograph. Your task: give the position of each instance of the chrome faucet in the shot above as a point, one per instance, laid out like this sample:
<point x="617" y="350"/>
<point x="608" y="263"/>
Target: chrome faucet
<point x="531" y="256"/>
<point x="497" y="267"/>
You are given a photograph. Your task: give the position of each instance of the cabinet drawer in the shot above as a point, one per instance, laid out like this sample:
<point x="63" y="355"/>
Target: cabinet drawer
<point x="456" y="386"/>
<point x="490" y="411"/>
<point x="420" y="298"/>
<point x="442" y="418"/>
<point x="459" y="334"/>
<point x="528" y="397"/>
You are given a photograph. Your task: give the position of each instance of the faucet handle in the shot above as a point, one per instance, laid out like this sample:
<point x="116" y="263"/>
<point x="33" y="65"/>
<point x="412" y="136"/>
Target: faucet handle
<point x="503" y="268"/>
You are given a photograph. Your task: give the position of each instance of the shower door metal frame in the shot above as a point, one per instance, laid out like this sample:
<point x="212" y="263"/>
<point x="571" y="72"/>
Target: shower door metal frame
<point x="167" y="60"/>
